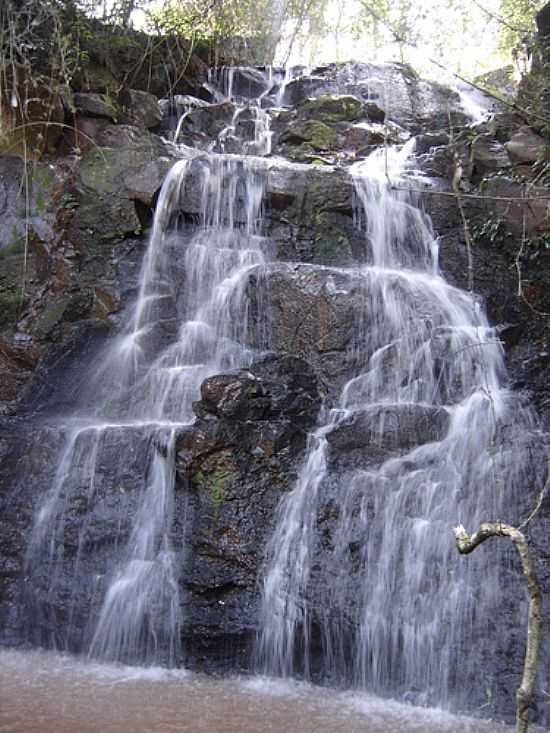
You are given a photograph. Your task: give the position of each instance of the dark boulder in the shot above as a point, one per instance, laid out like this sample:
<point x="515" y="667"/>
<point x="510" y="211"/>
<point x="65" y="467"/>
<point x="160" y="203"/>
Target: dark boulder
<point x="233" y="466"/>
<point x="245" y="81"/>
<point x="92" y="104"/>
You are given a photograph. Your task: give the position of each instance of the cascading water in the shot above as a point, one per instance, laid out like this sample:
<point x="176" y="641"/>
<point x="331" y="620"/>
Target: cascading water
<point x="425" y="435"/>
<point x="362" y="583"/>
<point x="121" y="602"/>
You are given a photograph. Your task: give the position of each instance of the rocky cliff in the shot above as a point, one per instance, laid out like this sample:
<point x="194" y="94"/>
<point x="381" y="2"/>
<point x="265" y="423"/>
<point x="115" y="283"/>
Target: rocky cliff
<point x="71" y="240"/>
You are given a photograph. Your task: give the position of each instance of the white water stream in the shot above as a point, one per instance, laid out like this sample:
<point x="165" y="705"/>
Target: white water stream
<point x="440" y="448"/>
<point x="122" y="602"/>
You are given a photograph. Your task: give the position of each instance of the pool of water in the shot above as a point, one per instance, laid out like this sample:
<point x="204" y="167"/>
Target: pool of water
<point x="42" y="692"/>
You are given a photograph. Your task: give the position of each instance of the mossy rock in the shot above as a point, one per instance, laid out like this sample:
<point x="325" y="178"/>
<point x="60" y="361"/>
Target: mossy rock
<point x="135" y="170"/>
<point x="96" y="78"/>
<point x="106" y="218"/>
<point x="112" y="179"/>
<point x="315" y="134"/>
<point x="51" y="316"/>
<point x="214" y="475"/>
<point x="332" y="108"/>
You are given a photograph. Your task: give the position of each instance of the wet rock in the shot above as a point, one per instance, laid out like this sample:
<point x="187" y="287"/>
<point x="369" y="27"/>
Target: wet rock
<point x="17" y="363"/>
<point x="415" y="104"/>
<point x="381" y="430"/>
<point x="306" y="86"/>
<point x="526" y="146"/>
<point x="206" y="122"/>
<point x="311" y="313"/>
<point x="374" y="112"/>
<point x="246" y="82"/>
<point x="233" y="466"/>
<point x="365" y="136"/>
<point x="310" y="215"/>
<point x="238" y="397"/>
<point x="308" y="212"/>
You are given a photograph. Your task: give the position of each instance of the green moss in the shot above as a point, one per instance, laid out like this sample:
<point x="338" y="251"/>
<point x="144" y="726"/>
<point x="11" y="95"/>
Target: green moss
<point x="214" y="476"/>
<point x="43" y="182"/>
<point x="319" y="135"/>
<point x="331" y="109"/>
<point x="309" y="136"/>
<point x="217" y="483"/>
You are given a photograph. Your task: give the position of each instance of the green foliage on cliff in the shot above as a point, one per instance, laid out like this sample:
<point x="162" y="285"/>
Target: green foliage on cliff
<point x="259" y="21"/>
<point x="517" y="24"/>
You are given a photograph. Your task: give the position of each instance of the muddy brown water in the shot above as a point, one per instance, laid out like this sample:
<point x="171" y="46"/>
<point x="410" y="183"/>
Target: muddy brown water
<point x="42" y="692"/>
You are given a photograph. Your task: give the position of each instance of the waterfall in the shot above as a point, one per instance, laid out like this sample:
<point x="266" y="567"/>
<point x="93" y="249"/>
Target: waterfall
<point x="118" y="598"/>
<point x="362" y="582"/>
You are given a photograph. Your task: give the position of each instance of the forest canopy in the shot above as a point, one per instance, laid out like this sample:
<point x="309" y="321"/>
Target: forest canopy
<point x="465" y="36"/>
<point x="470" y="36"/>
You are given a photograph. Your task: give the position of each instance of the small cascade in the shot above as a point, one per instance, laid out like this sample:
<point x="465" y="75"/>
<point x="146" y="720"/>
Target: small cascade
<point x="120" y="600"/>
<point x="251" y="94"/>
<point x="363" y="584"/>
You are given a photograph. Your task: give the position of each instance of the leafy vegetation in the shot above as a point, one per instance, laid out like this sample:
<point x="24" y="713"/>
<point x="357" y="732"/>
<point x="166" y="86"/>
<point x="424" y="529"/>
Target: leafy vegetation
<point x="517" y="25"/>
<point x="261" y="23"/>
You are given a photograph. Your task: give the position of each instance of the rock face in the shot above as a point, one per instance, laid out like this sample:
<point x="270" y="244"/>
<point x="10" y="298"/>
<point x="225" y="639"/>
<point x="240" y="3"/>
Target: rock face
<point x="381" y="430"/>
<point x="312" y="312"/>
<point x="233" y="466"/>
<point x="413" y="103"/>
<point x="62" y="251"/>
<point x="68" y="270"/>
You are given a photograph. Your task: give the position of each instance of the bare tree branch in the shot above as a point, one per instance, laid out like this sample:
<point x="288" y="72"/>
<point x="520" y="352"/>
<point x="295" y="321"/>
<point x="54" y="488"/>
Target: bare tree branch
<point x="465" y="544"/>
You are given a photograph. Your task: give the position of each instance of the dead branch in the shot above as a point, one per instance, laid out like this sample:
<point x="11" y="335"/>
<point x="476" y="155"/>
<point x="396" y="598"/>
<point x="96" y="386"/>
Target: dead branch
<point x="467" y="543"/>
